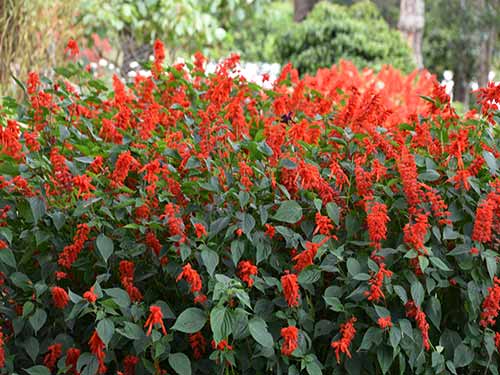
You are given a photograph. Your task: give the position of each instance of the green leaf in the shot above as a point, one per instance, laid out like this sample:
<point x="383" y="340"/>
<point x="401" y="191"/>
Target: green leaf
<point x="221" y="322"/>
<point x="394" y="336"/>
<point x="439" y="264"/>
<point x="105" y="246"/>
<point x="309" y="275"/>
<point x="490" y="161"/>
<point x="372" y="336"/>
<point x="120" y="296"/>
<point x="210" y="260"/>
<point x="434" y="311"/>
<point x="333" y="212"/>
<point x="37" y="208"/>
<point x="190" y="320"/>
<point x="38" y="319"/>
<point x="429" y="175"/>
<point x="258" y="329"/>
<point x="131" y="331"/>
<point x="334" y="303"/>
<point x="353" y="266"/>
<point x="7" y="257"/>
<point x="237" y="250"/>
<point x="417" y="293"/>
<point x="105" y="330"/>
<point x="463" y="356"/>
<point x="491" y="265"/>
<point x="289" y="212"/>
<point x="247" y="223"/>
<point x="32" y="347"/>
<point x="38" y="370"/>
<point x="180" y="363"/>
<point x="385" y="358"/>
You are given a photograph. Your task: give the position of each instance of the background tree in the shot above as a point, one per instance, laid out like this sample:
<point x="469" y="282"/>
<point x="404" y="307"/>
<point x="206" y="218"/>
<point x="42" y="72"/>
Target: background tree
<point x="302" y="9"/>
<point x="411" y="24"/>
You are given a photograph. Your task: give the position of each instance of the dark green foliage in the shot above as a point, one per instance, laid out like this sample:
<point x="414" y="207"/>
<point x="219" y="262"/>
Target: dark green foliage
<point x="333" y="32"/>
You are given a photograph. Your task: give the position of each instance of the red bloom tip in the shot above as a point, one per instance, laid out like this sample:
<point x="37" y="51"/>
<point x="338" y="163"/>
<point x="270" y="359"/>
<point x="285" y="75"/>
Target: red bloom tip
<point x="290" y="287"/>
<point x="60" y="297"/>
<point x="290" y="340"/>
<point x="155" y="317"/>
<point x="72" y="48"/>
<point x="385" y="322"/>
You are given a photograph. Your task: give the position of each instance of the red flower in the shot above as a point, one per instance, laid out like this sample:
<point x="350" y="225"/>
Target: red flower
<point x="53" y="354"/>
<point x="83" y="183"/>
<point x="70" y="252"/>
<point x="414" y="233"/>
<point x="377" y="220"/>
<point x="414" y="312"/>
<point x="72" y="356"/>
<point x="491" y="304"/>
<point x="306" y="258"/>
<point x="90" y="295"/>
<point x="484" y="221"/>
<point x="245" y="270"/>
<point x="159" y="52"/>
<point x="497" y="341"/>
<point x="474" y="251"/>
<point x="270" y="230"/>
<point x="348" y="332"/>
<point x="290" y="287"/>
<point x="376" y="282"/>
<point x="200" y="230"/>
<point x="323" y="225"/>
<point x="129" y="363"/>
<point x="72" y="48"/>
<point x="153" y="242"/>
<point x="290" y="340"/>
<point x="198" y="344"/>
<point x="222" y="345"/>
<point x="60" y="297"/>
<point x="33" y="82"/>
<point x="192" y="277"/>
<point x="385" y="322"/>
<point x="127" y="279"/>
<point x="97" y="346"/>
<point x="408" y="171"/>
<point x="155" y="317"/>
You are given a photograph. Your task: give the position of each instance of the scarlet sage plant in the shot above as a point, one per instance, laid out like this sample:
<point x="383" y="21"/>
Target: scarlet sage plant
<point x="194" y="223"/>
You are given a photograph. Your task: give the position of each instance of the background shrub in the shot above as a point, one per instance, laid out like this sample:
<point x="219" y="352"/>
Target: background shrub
<point x="357" y="33"/>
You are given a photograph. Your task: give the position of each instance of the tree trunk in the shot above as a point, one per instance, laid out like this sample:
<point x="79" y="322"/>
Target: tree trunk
<point x="301" y="9"/>
<point x="411" y="24"/>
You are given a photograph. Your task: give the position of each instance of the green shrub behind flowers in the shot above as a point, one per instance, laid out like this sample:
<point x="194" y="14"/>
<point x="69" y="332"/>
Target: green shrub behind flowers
<point x="345" y="223"/>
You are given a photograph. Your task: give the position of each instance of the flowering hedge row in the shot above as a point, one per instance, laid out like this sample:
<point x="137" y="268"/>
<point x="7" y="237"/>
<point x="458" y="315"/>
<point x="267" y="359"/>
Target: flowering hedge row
<point x="346" y="222"/>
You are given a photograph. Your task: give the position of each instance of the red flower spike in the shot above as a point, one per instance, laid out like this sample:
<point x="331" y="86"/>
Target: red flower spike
<point x="155" y="317"/>
<point x="290" y="287"/>
<point x="290" y="340"/>
<point x="60" y="297"/>
<point x="348" y="332"/>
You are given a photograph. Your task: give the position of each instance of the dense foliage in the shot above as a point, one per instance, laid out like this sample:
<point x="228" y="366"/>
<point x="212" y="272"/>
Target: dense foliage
<point x="196" y="223"/>
<point x="357" y="33"/>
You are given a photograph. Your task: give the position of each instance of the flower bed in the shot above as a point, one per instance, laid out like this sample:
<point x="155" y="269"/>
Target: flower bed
<point x="198" y="223"/>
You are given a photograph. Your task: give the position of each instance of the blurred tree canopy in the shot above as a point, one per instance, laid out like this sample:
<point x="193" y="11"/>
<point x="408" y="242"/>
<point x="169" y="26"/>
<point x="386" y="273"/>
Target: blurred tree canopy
<point x="185" y="26"/>
<point x="332" y="32"/>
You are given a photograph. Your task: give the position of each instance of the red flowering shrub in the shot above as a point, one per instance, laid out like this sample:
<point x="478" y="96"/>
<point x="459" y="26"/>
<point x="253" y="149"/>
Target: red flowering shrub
<point x="196" y="223"/>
